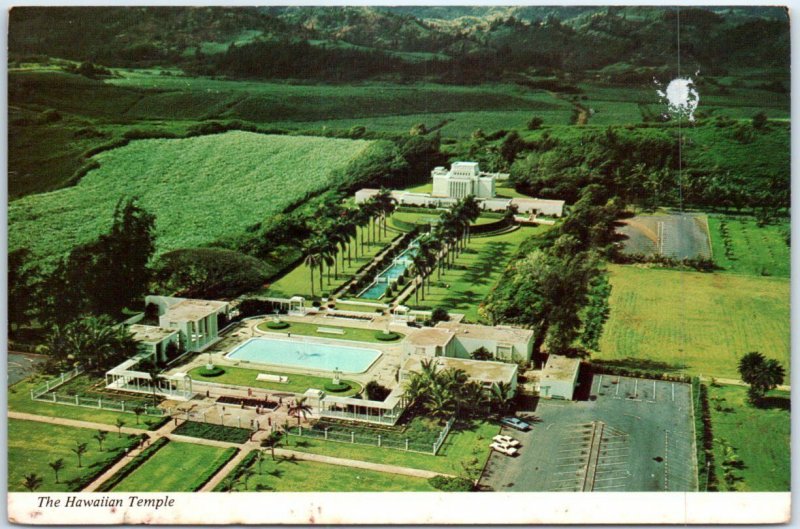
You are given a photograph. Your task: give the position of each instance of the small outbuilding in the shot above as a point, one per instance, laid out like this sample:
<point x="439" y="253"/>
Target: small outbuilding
<point x="559" y="377"/>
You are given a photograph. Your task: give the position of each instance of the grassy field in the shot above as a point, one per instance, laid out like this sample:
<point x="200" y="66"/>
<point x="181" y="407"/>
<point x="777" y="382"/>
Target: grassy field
<point x="294" y="475"/>
<point x="297" y="282"/>
<point x="695" y="322"/>
<point x="238" y="376"/>
<point x="463" y="287"/>
<point x="33" y="445"/>
<point x="218" y="185"/>
<point x="310" y="329"/>
<point x="459" y="447"/>
<point x="177" y="467"/>
<point x="752" y="250"/>
<point x="759" y="437"/>
<point x="19" y="399"/>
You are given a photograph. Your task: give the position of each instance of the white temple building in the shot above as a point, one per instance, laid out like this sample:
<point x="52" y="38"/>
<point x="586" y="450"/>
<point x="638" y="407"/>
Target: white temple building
<point x="464" y="179"/>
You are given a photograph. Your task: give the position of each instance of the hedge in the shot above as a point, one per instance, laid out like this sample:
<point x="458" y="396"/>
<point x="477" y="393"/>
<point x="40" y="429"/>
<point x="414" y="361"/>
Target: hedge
<point x="337" y="388"/>
<point x="230" y="453"/>
<point x="386" y="337"/>
<point x="213" y="372"/>
<point x="451" y="484"/>
<point x="604" y="369"/>
<point x="215" y="432"/>
<point x="246" y="462"/>
<point x="277" y="324"/>
<point x="704" y="438"/>
<point x="135" y="463"/>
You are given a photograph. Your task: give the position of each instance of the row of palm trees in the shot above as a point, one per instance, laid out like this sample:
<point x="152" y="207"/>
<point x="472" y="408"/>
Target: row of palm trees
<point x="449" y="392"/>
<point x="339" y="239"/>
<point x="446" y="240"/>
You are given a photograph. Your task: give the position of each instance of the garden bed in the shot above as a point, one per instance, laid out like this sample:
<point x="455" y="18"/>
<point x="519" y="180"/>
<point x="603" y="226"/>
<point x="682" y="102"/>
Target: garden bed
<point x="214" y="432"/>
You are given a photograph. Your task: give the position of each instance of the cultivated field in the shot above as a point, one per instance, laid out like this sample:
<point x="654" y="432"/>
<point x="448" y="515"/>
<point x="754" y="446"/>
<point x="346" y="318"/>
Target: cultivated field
<point x="200" y="189"/>
<point x="695" y="322"/>
<point x="742" y="247"/>
<point x="33" y="445"/>
<point x="177" y="467"/>
<point x="759" y="438"/>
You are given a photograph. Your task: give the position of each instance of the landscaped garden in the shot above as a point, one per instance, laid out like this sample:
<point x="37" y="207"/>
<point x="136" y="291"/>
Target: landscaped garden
<point x="467" y="444"/>
<point x="755" y="442"/>
<point x="697" y="323"/>
<point x="19" y="399"/>
<point x="177" y="467"/>
<point x="463" y="287"/>
<point x="215" y="432"/>
<point x="239" y="376"/>
<point x="36" y="448"/>
<point x="312" y="329"/>
<point x="295" y="475"/>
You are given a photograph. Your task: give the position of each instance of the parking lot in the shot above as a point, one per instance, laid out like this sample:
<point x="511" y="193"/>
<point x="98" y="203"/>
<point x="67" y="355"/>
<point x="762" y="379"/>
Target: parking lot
<point x="630" y="435"/>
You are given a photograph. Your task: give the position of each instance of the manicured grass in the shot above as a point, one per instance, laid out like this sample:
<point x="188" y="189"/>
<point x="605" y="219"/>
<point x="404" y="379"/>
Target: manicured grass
<point x="760" y="438"/>
<point x="298" y="281"/>
<point x="463" y="287"/>
<point x="694" y="322"/>
<point x="753" y="250"/>
<point x="413" y="217"/>
<point x="310" y="329"/>
<point x="177" y="467"/>
<point x="215" y="432"/>
<point x="238" y="376"/>
<point x="33" y="445"/>
<point x="19" y="399"/>
<point x="261" y="174"/>
<point x="288" y="475"/>
<point x="460" y="446"/>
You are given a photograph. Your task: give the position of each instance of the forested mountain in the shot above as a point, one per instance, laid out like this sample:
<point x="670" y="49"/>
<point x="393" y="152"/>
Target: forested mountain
<point x="437" y="43"/>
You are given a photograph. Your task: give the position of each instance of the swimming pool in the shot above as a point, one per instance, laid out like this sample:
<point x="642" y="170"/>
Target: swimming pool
<point x="306" y="354"/>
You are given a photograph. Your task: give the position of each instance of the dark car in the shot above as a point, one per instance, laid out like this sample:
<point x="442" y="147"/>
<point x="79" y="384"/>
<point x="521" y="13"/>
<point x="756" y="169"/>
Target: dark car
<point x="515" y="423"/>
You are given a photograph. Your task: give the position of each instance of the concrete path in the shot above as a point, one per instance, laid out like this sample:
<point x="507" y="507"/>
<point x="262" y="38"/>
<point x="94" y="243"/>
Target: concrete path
<point x="734" y="382"/>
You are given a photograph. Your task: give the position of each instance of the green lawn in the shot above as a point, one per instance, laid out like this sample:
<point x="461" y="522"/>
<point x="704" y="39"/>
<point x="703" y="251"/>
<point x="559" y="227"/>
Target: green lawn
<point x="460" y="446"/>
<point x="288" y="475"/>
<point x="695" y="322"/>
<point x="751" y="250"/>
<point x="463" y="287"/>
<point x="19" y="399"/>
<point x="238" y="376"/>
<point x="310" y="329"/>
<point x="177" y="467"/>
<point x="33" y="445"/>
<point x="759" y="437"/>
<point x="298" y="280"/>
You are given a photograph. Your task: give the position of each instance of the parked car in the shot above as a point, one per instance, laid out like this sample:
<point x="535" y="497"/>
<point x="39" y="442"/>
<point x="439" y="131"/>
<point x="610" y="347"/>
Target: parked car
<point x="515" y="423"/>
<point x="505" y="440"/>
<point x="504" y="449"/>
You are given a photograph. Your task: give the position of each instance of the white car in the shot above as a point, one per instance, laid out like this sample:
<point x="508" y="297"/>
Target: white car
<point x="504" y="449"/>
<point x="505" y="440"/>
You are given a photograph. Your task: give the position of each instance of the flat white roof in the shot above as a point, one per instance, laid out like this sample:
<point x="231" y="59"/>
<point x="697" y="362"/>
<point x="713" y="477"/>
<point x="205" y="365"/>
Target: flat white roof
<point x="485" y="332"/>
<point x="150" y="333"/>
<point x="428" y="337"/>
<point x="193" y="309"/>
<point x="538" y="201"/>
<point x="561" y="368"/>
<point x="482" y="370"/>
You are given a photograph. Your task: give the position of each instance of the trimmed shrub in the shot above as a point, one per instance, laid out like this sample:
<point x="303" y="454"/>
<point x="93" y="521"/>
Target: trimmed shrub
<point x="439" y="314"/>
<point x="135" y="463"/>
<point x="386" y="337"/>
<point x="451" y="484"/>
<point x="277" y="324"/>
<point x="215" y="432"/>
<point x="337" y="388"/>
<point x="213" y="372"/>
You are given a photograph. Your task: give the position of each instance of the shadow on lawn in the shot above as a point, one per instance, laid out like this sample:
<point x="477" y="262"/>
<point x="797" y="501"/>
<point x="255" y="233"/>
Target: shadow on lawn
<point x="776" y="403"/>
<point x="641" y="363"/>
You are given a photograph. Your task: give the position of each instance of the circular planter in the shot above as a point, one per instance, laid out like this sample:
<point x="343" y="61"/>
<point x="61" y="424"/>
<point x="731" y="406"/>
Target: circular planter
<point x="277" y="325"/>
<point x="337" y="388"/>
<point x="386" y="337"/>
<point x="213" y="372"/>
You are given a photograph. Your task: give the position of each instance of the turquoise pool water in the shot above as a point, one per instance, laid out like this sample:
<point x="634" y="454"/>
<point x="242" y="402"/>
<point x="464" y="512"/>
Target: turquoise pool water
<point x="304" y="354"/>
<point x="390" y="274"/>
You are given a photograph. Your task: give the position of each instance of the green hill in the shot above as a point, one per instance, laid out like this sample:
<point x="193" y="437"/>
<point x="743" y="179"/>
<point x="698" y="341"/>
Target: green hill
<point x="200" y="189"/>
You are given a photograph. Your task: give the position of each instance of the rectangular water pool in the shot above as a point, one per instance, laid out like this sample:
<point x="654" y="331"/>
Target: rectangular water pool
<point x="306" y="354"/>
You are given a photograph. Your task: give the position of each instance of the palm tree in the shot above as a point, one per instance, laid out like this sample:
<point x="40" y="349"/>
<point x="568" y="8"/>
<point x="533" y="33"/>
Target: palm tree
<point x="312" y="248"/>
<point x="154" y="372"/>
<point x="299" y="409"/>
<point x="101" y="436"/>
<point x="57" y="465"/>
<point x="245" y="475"/>
<point x="440" y="402"/>
<point x="501" y="396"/>
<point x="470" y="210"/>
<point x="420" y="262"/>
<point x="138" y="410"/>
<point x="271" y="441"/>
<point x="229" y="483"/>
<point x="385" y="205"/>
<point x="120" y="423"/>
<point x="80" y="449"/>
<point x="761" y="373"/>
<point x="32" y="482"/>
<point x="330" y="248"/>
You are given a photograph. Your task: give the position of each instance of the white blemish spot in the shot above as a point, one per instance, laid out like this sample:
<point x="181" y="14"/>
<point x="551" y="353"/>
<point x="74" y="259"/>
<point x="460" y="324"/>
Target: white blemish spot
<point x="681" y="97"/>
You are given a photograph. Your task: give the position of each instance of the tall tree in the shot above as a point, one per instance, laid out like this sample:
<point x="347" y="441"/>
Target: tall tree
<point x="57" y="466"/>
<point x="761" y="373"/>
<point x="23" y="277"/>
<point x="32" y="482"/>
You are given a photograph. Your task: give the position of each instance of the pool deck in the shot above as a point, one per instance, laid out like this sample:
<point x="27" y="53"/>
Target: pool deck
<point x="383" y="370"/>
